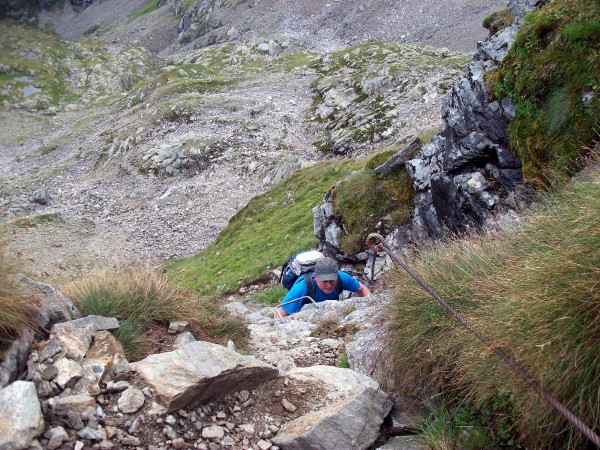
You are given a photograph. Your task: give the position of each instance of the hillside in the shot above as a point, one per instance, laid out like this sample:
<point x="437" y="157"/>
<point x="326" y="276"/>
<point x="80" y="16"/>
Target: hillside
<point x="162" y="159"/>
<point x="97" y="109"/>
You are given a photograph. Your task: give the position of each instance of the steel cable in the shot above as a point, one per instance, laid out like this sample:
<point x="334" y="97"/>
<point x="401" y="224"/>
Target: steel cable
<point x="376" y="243"/>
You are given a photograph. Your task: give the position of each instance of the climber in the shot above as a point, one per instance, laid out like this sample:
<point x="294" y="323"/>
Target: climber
<point x="325" y="283"/>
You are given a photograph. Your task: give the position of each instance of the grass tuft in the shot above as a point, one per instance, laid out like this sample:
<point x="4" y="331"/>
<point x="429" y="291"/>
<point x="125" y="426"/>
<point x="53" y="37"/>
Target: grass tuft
<point x="534" y="293"/>
<point x="139" y="297"/>
<point x="17" y="309"/>
<point x="498" y="21"/>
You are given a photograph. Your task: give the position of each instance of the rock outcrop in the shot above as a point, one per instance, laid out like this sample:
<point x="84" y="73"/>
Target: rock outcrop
<point x="466" y="176"/>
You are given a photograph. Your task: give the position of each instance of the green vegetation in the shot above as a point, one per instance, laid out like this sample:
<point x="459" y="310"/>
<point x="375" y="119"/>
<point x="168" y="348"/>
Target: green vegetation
<point x="38" y="70"/>
<point x="534" y="293"/>
<point x="17" y="309"/>
<point x="263" y="234"/>
<point x="498" y="21"/>
<point x="343" y="361"/>
<point x="151" y="6"/>
<point x="552" y="73"/>
<point x="453" y="427"/>
<point x="271" y="296"/>
<point x="139" y="298"/>
<point x="363" y="199"/>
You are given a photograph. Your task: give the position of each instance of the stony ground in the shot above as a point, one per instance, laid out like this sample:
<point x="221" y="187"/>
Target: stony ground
<point x="108" y="211"/>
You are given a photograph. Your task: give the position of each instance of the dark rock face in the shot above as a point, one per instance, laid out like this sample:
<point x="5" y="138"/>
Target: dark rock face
<point x="467" y="174"/>
<point x="194" y="22"/>
<point x="80" y="4"/>
<point x="23" y="10"/>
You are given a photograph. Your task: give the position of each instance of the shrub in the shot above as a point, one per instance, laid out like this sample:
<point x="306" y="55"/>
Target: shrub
<point x="534" y="294"/>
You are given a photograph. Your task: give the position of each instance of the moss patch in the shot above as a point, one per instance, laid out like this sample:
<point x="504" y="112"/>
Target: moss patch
<point x="552" y="73"/>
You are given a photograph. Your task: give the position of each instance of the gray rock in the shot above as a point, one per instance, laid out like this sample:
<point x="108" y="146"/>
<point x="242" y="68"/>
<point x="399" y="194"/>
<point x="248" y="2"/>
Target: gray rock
<point x="351" y="420"/>
<point x="56" y="307"/>
<point x="183" y="338"/>
<point x="404" y="443"/>
<point x="74" y="339"/>
<point x="41" y="197"/>
<point x="56" y="436"/>
<point x="21" y="419"/>
<point x="199" y="372"/>
<point x="89" y="434"/>
<point x="176" y="326"/>
<point x="404" y="416"/>
<point x="68" y="372"/>
<point x="14" y="358"/>
<point x="79" y="404"/>
<point x="213" y="432"/>
<point x="99" y="322"/>
<point x="131" y="400"/>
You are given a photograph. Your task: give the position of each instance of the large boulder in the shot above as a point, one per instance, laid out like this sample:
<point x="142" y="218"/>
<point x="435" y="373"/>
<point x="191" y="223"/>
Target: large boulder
<point x="199" y="372"/>
<point x="355" y="410"/>
<point x="21" y="419"/>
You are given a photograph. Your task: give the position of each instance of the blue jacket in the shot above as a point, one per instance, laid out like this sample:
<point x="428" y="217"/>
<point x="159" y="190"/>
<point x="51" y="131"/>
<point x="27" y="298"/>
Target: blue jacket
<point x="299" y="290"/>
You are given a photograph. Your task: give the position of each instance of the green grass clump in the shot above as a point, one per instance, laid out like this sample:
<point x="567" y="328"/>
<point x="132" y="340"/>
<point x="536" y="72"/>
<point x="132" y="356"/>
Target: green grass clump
<point x="553" y="63"/>
<point x="498" y="21"/>
<point x="343" y="361"/>
<point x="363" y="199"/>
<point x="17" y="309"/>
<point x="534" y="293"/>
<point x="139" y="297"/>
<point x="148" y="8"/>
<point x="271" y="296"/>
<point x="452" y="427"/>
<point x="263" y="234"/>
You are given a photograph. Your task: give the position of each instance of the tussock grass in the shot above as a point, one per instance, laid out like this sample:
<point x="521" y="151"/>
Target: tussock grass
<point x="17" y="309"/>
<point x="534" y="293"/>
<point x="139" y="296"/>
<point x="498" y="21"/>
<point x="447" y="428"/>
<point x="363" y="200"/>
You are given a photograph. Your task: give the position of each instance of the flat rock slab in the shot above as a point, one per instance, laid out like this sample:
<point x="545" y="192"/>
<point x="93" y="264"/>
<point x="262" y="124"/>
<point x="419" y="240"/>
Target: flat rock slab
<point x="199" y="372"/>
<point x="356" y="409"/>
<point x="21" y="418"/>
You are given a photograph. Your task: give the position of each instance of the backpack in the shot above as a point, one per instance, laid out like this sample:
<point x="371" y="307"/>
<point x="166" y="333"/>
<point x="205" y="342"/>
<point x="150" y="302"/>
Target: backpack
<point x="298" y="264"/>
<point x="302" y="263"/>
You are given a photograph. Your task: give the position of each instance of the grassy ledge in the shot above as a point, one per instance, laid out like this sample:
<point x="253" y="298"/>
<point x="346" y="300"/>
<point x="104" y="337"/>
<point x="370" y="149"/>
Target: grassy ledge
<point x="263" y="234"/>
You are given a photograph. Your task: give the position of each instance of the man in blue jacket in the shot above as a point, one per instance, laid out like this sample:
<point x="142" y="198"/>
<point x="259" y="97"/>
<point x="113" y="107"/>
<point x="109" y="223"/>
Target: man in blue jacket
<point x="327" y="284"/>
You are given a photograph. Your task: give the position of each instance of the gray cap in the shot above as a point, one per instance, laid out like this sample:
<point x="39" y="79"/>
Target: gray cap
<point x="326" y="269"/>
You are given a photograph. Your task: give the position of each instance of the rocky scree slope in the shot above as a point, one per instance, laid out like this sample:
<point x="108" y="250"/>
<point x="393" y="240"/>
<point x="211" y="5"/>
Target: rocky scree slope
<point x="312" y="25"/>
<point x="130" y="159"/>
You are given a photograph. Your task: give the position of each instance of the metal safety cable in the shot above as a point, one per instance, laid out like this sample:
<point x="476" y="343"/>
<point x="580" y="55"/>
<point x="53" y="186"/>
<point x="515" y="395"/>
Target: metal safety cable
<point x="376" y="243"/>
